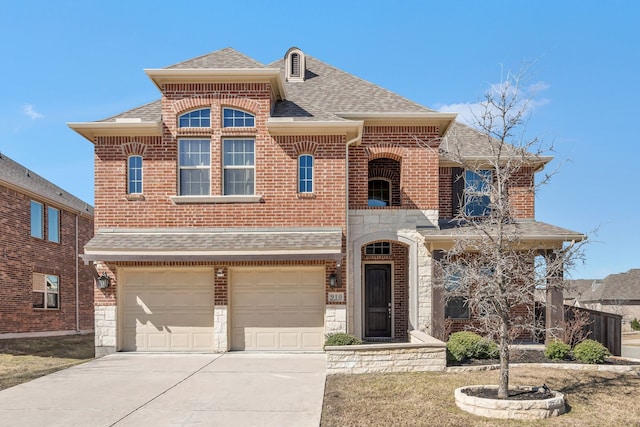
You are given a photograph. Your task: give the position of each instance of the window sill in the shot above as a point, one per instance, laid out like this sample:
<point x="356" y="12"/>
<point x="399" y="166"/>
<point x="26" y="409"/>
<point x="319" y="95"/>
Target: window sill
<point x="216" y="199"/>
<point x="306" y="195"/>
<point x="137" y="197"/>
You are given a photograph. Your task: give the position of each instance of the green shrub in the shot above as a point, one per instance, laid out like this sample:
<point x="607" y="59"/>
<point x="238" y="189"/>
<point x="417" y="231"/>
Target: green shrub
<point x="341" y="339"/>
<point x="590" y="351"/>
<point x="468" y="345"/>
<point x="557" y="350"/>
<point x="635" y="325"/>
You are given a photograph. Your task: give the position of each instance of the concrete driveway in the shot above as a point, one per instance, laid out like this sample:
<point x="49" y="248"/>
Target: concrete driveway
<point x="132" y="389"/>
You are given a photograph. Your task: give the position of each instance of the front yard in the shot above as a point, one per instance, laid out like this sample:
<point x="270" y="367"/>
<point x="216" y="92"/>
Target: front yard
<point x="25" y="359"/>
<point x="426" y="399"/>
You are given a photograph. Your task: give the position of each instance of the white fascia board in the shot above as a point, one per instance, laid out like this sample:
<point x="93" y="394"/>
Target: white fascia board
<point x="443" y="120"/>
<point x="90" y="130"/>
<point x="159" y="76"/>
<point x="288" y="126"/>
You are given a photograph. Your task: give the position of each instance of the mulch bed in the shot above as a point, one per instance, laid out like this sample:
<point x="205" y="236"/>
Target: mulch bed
<point x="539" y="393"/>
<point x="537" y="356"/>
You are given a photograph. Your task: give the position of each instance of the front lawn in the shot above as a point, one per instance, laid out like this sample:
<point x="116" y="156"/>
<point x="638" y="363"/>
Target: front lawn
<point x="24" y="359"/>
<point x="426" y="399"/>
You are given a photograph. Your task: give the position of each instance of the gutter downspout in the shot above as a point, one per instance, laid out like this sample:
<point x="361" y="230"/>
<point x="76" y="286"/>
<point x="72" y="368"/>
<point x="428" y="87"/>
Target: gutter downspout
<point x="77" y="258"/>
<point x="357" y="138"/>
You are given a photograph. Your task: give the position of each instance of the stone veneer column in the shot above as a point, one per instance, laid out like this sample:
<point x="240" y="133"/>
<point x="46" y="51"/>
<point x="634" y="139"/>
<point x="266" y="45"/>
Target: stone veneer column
<point x="220" y="329"/>
<point x="105" y="329"/>
<point x="335" y="319"/>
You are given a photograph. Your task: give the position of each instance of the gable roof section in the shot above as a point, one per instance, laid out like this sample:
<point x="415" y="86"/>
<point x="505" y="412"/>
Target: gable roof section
<point x="620" y="288"/>
<point x="14" y="175"/>
<point x="223" y="58"/>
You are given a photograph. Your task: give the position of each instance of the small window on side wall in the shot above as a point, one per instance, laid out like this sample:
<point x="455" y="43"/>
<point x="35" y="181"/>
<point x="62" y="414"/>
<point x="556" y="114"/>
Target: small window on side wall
<point x="37" y="220"/>
<point x="53" y="225"/>
<point x="237" y="119"/>
<point x="196" y="119"/>
<point x="134" y="174"/>
<point x="46" y="291"/>
<point x="305" y="173"/>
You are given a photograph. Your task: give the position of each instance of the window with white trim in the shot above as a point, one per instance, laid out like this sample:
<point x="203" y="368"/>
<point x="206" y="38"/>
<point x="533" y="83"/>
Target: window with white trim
<point x="46" y="291"/>
<point x="194" y="164"/>
<point x="37" y="220"/>
<point x="238" y="167"/>
<point x="477" y="192"/>
<point x="53" y="224"/>
<point x="134" y="174"/>
<point x="305" y="173"/>
<point x="237" y="118"/>
<point x="379" y="192"/>
<point x="196" y="119"/>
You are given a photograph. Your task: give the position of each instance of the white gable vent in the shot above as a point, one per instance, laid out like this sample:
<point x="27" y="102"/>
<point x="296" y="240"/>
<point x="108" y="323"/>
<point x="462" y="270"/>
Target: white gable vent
<point x="295" y="65"/>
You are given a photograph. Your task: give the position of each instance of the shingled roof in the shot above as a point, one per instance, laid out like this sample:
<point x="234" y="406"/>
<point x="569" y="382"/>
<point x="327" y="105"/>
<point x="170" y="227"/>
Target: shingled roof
<point x="622" y="287"/>
<point x="15" y="175"/>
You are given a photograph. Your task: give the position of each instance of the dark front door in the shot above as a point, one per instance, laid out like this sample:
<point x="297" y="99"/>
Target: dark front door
<point x="377" y="300"/>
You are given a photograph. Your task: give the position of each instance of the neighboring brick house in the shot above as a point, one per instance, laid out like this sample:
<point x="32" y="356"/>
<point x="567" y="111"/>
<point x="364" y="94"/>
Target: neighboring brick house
<point x="227" y="220"/>
<point x="616" y="293"/>
<point x="45" y="287"/>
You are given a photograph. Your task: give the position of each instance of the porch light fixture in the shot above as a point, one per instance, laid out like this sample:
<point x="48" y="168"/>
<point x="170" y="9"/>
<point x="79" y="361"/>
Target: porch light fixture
<point x="333" y="281"/>
<point x="104" y="281"/>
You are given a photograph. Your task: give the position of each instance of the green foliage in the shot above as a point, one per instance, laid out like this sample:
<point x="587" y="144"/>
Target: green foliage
<point x="590" y="351"/>
<point x="635" y="325"/>
<point x="468" y="345"/>
<point x="341" y="339"/>
<point x="557" y="350"/>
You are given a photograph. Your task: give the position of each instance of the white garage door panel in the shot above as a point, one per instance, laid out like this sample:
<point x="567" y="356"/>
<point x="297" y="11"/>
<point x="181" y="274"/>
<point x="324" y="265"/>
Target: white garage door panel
<point x="277" y="309"/>
<point x="167" y="309"/>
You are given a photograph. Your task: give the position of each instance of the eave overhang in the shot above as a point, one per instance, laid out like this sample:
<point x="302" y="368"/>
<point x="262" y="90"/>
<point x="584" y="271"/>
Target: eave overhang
<point x="162" y="76"/>
<point x="441" y="120"/>
<point x="287" y="126"/>
<point x="536" y="162"/>
<point x="91" y="130"/>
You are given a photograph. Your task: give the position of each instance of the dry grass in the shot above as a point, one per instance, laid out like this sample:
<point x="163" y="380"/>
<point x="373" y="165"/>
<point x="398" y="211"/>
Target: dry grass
<point x="426" y="399"/>
<point x="24" y="359"/>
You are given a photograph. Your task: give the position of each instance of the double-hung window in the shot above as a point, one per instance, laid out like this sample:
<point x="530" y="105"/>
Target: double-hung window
<point x="238" y="160"/>
<point x="477" y="193"/>
<point x="194" y="163"/>
<point x="134" y="172"/>
<point x="46" y="292"/>
<point x="305" y="173"/>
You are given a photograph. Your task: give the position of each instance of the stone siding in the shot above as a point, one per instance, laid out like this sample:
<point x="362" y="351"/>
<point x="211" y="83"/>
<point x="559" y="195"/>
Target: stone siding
<point x="105" y="329"/>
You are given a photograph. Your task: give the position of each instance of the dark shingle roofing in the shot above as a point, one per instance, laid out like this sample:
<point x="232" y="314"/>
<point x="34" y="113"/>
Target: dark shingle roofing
<point x="223" y="58"/>
<point x="615" y="287"/>
<point x="150" y="112"/>
<point x="528" y="229"/>
<point x="16" y="175"/>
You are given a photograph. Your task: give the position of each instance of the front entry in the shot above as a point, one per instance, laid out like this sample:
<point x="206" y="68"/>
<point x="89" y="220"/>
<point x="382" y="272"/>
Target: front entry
<point x="377" y="300"/>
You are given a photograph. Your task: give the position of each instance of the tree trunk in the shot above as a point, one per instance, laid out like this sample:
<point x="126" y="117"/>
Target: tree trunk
<point x="503" y="384"/>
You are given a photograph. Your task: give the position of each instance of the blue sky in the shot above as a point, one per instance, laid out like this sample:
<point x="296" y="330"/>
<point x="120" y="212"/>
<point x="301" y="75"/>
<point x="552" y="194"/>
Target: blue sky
<point x="70" y="61"/>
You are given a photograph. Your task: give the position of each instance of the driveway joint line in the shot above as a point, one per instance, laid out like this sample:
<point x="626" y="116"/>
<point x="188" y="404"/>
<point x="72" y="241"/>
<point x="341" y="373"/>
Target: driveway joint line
<point x="164" y="392"/>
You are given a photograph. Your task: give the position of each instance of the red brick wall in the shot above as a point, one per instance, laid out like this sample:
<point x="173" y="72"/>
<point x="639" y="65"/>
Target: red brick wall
<point x="399" y="257"/>
<point x="21" y="255"/>
<point x="419" y="164"/>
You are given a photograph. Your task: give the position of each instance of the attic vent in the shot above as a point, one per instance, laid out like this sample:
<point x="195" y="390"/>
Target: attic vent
<point x="595" y="285"/>
<point x="295" y="65"/>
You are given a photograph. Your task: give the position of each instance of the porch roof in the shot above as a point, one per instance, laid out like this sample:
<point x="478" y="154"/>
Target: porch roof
<point x="214" y="244"/>
<point x="528" y="231"/>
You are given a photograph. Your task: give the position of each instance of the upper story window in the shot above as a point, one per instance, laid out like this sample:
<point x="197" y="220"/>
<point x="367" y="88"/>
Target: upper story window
<point x="305" y="173"/>
<point x="196" y="119"/>
<point x="477" y="192"/>
<point x="194" y="164"/>
<point x="134" y="175"/>
<point x="46" y="291"/>
<point x="53" y="224"/>
<point x="238" y="163"/>
<point x="37" y="220"/>
<point x="379" y="192"/>
<point x="237" y="119"/>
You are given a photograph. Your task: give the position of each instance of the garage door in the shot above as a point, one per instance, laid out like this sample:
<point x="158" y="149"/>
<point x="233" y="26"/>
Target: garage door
<point x="166" y="309"/>
<point x="277" y="309"/>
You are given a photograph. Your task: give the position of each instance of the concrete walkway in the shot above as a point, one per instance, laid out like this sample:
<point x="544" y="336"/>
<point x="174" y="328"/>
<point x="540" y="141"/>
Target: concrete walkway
<point x="129" y="389"/>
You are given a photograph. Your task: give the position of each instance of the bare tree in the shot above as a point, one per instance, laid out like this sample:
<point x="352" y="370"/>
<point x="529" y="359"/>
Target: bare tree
<point x="492" y="264"/>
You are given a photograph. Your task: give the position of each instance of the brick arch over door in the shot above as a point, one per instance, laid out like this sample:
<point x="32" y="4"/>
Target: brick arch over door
<point x="411" y="276"/>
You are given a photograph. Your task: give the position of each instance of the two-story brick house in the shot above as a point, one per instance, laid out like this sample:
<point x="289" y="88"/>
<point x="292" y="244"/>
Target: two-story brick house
<point x="260" y="207"/>
<point x="45" y="287"/>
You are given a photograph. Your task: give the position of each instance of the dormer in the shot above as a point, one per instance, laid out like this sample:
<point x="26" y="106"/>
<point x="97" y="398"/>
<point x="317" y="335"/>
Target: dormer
<point x="295" y="65"/>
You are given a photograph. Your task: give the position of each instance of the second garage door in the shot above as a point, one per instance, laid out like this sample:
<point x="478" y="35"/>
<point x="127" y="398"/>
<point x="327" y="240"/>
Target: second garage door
<point x="166" y="309"/>
<point x="277" y="309"/>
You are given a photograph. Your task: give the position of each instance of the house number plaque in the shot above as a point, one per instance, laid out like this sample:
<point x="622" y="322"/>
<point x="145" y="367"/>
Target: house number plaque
<point x="336" y="296"/>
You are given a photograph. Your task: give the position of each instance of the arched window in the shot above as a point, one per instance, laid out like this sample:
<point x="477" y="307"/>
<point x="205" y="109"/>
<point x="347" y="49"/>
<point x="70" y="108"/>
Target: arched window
<point x="196" y="119"/>
<point x="379" y="192"/>
<point x="305" y="173"/>
<point x="134" y="173"/>
<point x="237" y="119"/>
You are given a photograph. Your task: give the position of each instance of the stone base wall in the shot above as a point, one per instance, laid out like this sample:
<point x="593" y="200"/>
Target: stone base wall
<point x="335" y="319"/>
<point x="220" y="329"/>
<point x="105" y="329"/>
